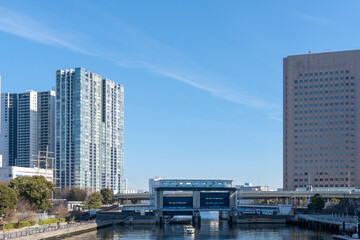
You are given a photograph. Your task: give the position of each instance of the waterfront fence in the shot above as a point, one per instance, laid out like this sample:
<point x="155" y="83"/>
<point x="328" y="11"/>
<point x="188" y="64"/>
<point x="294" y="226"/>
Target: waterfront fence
<point x="10" y="234"/>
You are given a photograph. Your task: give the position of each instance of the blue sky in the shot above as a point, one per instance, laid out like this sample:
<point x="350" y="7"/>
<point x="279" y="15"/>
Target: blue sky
<point x="203" y="79"/>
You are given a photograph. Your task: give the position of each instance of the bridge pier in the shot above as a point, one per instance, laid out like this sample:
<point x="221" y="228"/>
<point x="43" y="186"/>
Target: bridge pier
<point x="159" y="218"/>
<point x="232" y="218"/>
<point x="159" y="203"/>
<point x="224" y="215"/>
<point x="196" y="219"/>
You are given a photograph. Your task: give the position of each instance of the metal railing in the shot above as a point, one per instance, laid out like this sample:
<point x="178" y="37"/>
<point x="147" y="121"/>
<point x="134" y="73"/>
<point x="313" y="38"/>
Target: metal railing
<point x="9" y="234"/>
<point x="330" y="218"/>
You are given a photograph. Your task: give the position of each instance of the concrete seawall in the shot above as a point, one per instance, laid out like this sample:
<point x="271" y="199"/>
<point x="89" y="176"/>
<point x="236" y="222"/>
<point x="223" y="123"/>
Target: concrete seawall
<point x="262" y="219"/>
<point x="125" y="218"/>
<point x="346" y="225"/>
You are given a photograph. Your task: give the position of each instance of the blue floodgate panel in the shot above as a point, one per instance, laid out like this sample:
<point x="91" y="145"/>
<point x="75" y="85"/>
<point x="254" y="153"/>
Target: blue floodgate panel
<point x="214" y="200"/>
<point x="178" y="202"/>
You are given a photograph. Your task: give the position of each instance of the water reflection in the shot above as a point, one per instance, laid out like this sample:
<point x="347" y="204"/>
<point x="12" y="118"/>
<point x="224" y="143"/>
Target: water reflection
<point x="210" y="229"/>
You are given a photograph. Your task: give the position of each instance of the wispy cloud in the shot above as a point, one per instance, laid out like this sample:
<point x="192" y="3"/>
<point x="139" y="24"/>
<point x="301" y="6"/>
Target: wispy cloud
<point x="277" y="116"/>
<point x="28" y="28"/>
<point x="310" y="18"/>
<point x="223" y="93"/>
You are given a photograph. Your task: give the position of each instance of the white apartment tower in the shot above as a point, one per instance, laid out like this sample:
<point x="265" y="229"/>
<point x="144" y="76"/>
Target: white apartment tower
<point x="26" y="128"/>
<point x="89" y="130"/>
<point x="19" y="128"/>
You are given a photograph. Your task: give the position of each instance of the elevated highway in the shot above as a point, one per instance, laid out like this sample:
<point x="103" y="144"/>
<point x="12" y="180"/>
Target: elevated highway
<point x="132" y="196"/>
<point x="254" y="195"/>
<point x="297" y="194"/>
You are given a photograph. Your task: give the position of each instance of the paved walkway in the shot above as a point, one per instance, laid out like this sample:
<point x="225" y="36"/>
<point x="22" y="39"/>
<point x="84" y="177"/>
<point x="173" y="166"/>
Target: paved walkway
<point x="51" y="230"/>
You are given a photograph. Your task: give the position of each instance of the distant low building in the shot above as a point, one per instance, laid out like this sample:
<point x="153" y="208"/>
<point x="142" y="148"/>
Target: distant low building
<point x="129" y="191"/>
<point x="75" y="205"/>
<point x="250" y="187"/>
<point x="71" y="205"/>
<point x="10" y="172"/>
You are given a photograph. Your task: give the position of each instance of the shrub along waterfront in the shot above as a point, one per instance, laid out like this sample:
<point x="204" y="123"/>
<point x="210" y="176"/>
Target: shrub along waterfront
<point x="13" y="225"/>
<point x="23" y="198"/>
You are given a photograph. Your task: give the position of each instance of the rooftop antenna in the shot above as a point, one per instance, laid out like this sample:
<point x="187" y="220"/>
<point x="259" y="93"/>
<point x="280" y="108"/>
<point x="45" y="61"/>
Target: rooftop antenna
<point x="309" y="51"/>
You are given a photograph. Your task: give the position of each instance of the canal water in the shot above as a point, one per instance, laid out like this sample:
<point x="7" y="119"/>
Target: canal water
<point x="210" y="229"/>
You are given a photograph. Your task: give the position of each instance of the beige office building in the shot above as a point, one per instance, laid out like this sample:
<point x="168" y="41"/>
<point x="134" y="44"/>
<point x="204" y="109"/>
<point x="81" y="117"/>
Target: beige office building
<point x="321" y="124"/>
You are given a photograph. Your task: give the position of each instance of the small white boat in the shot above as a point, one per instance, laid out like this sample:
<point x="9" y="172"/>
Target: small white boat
<point x="189" y="229"/>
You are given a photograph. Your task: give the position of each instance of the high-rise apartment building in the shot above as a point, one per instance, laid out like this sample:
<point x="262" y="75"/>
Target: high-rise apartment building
<point x="113" y="135"/>
<point x="321" y="124"/>
<point x="1" y="157"/>
<point x="46" y="125"/>
<point x="28" y="126"/>
<point x="89" y="130"/>
<point x="8" y="135"/>
<point x="1" y="162"/>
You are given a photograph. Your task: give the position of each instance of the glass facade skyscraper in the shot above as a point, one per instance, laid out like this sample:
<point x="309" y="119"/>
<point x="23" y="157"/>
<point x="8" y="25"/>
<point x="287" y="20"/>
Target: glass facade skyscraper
<point x="89" y="131"/>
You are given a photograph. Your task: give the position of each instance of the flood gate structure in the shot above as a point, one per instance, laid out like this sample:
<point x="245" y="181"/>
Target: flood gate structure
<point x="193" y="197"/>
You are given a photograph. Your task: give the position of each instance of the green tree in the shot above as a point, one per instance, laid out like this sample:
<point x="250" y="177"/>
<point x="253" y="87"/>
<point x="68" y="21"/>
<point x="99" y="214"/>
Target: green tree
<point x="316" y="203"/>
<point x="8" y="201"/>
<point x="94" y="201"/>
<point x="18" y="184"/>
<point x="35" y="189"/>
<point x="334" y="201"/>
<point x="77" y="194"/>
<point x="107" y="195"/>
